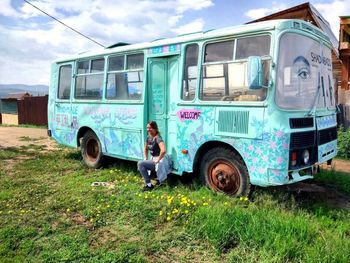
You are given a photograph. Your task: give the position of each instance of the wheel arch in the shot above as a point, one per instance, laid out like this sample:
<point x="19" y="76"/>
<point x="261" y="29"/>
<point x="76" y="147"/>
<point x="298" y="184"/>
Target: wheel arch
<point x="205" y="147"/>
<point x="81" y="133"/>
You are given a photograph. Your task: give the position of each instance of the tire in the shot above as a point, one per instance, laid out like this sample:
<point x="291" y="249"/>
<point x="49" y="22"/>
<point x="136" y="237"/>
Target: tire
<point x="91" y="150"/>
<point x="222" y="170"/>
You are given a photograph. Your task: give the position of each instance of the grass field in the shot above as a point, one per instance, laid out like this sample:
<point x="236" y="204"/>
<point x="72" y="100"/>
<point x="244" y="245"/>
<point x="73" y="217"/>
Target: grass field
<point x="49" y="212"/>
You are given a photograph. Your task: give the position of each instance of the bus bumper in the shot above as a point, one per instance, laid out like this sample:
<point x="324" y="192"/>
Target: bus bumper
<point x="281" y="177"/>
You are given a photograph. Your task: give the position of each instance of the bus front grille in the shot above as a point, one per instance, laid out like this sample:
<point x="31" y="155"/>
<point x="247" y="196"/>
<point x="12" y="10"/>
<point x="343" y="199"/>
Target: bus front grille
<point x="302" y="139"/>
<point x="327" y="135"/>
<point x="297" y="123"/>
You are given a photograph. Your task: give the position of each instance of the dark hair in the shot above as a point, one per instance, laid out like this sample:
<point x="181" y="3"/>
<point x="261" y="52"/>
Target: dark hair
<point x="154" y="126"/>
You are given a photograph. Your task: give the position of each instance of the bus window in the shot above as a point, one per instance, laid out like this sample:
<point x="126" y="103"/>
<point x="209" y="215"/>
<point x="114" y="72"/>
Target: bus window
<point x="215" y="75"/>
<point x="116" y="63"/>
<point x="125" y="84"/>
<point x="190" y="72"/>
<point x="89" y="80"/>
<point x="253" y="46"/>
<point x="135" y="61"/>
<point x="64" y="83"/>
<point x="222" y="51"/>
<point x="224" y="79"/>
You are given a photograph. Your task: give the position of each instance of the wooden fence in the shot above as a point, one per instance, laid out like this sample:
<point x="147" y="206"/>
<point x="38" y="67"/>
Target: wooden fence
<point x="32" y="110"/>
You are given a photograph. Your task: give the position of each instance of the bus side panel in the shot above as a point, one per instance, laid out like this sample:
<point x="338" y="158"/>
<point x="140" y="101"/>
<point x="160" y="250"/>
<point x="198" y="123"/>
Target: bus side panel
<point x="260" y="146"/>
<point x="118" y="127"/>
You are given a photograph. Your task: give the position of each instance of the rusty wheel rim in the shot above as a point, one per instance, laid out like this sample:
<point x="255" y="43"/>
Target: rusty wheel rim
<point x="223" y="176"/>
<point x="92" y="150"/>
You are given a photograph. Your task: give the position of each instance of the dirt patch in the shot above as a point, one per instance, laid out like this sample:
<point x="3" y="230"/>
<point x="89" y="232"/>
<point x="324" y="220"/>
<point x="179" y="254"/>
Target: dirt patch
<point x="338" y="165"/>
<point x="19" y="136"/>
<point x="81" y="220"/>
<point x="320" y="193"/>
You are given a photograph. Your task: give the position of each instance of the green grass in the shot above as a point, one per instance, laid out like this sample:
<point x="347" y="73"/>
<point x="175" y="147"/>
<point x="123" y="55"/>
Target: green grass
<point x="49" y="212"/>
<point x="24" y="126"/>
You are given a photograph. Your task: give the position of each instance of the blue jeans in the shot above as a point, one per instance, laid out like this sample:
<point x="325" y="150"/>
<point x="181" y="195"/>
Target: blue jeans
<point x="162" y="168"/>
<point x="144" y="167"/>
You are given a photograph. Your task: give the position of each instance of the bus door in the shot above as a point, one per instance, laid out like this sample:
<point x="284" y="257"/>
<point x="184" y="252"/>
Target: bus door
<point x="63" y="112"/>
<point x="162" y="82"/>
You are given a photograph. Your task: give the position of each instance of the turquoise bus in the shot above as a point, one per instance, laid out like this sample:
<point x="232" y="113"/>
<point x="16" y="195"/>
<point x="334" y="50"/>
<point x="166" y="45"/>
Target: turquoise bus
<point x="240" y="106"/>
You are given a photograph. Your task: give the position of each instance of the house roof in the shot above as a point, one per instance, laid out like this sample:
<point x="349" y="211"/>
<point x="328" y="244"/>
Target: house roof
<point x="305" y="12"/>
<point x="17" y="95"/>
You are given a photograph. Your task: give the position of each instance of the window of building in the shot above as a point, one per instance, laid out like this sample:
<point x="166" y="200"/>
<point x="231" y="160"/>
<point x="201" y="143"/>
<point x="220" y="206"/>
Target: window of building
<point x="89" y="80"/>
<point x="125" y="82"/>
<point x="190" y="72"/>
<point x="64" y="82"/>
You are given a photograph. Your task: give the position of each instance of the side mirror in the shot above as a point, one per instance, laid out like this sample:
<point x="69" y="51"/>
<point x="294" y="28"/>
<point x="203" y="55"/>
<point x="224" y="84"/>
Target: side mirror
<point x="255" y="73"/>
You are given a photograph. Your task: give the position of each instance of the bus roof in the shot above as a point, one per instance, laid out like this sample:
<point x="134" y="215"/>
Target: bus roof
<point x="198" y="36"/>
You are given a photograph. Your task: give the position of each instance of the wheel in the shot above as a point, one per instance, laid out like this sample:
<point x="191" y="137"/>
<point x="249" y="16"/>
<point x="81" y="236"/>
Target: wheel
<point x="91" y="150"/>
<point x="223" y="170"/>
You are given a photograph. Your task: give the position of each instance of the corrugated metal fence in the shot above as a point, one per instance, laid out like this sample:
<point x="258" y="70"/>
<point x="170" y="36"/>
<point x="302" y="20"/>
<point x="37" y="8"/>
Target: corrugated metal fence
<point x="33" y="110"/>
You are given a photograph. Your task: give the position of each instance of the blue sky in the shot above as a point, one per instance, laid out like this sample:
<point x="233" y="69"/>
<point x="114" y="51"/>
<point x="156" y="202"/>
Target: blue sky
<point x="30" y="41"/>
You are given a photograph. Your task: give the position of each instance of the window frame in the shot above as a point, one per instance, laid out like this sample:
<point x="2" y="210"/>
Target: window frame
<point x="199" y="46"/>
<point x="89" y="73"/>
<point x="126" y="71"/>
<point x="71" y="81"/>
<point x="235" y="39"/>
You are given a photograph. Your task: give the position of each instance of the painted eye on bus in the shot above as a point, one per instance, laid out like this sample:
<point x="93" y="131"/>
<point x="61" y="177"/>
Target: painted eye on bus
<point x="302" y="67"/>
<point x="303" y="73"/>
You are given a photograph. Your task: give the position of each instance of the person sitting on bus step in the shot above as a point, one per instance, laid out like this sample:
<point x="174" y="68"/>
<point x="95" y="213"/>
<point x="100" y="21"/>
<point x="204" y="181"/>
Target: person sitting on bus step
<point x="159" y="162"/>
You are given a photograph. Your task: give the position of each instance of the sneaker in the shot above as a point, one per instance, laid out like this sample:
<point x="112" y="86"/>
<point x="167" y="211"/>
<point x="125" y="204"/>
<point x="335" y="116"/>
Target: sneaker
<point x="147" y="188"/>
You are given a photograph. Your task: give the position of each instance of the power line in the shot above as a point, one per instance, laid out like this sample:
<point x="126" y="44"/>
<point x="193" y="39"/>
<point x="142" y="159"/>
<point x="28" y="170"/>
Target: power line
<point x="64" y="24"/>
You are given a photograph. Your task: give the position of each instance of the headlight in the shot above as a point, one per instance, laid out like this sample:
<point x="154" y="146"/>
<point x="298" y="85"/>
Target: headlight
<point x="306" y="156"/>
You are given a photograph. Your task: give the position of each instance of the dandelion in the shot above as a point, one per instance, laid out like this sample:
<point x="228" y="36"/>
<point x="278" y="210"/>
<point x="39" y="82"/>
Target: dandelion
<point x="241" y="198"/>
<point x="205" y="204"/>
<point x="246" y="199"/>
<point x="168" y="218"/>
<point x="160" y="213"/>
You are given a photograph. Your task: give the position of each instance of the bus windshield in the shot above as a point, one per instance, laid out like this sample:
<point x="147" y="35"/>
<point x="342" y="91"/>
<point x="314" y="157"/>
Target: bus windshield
<point x="304" y="74"/>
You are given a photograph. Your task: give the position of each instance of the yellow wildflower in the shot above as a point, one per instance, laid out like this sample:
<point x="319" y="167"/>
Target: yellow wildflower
<point x="160" y="213"/>
<point x="168" y="218"/>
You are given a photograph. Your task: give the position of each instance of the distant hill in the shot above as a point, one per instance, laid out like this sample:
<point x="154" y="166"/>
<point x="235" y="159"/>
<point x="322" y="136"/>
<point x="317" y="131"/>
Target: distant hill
<point x="35" y="90"/>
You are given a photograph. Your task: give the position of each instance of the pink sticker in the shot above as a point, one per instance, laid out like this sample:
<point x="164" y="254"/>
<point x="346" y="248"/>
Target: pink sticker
<point x="189" y="114"/>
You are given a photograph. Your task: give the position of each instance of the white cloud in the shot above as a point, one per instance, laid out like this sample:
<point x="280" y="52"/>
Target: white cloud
<point x="7" y="10"/>
<point x="261" y="12"/>
<point x="332" y="11"/>
<point x="194" y="26"/>
<point x="30" y="40"/>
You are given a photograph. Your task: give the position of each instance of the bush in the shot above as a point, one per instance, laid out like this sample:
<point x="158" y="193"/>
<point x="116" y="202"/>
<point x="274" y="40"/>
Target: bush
<point x="343" y="143"/>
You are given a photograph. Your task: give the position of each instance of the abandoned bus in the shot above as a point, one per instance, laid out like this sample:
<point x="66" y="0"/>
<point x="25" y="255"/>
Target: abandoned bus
<point x="246" y="105"/>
